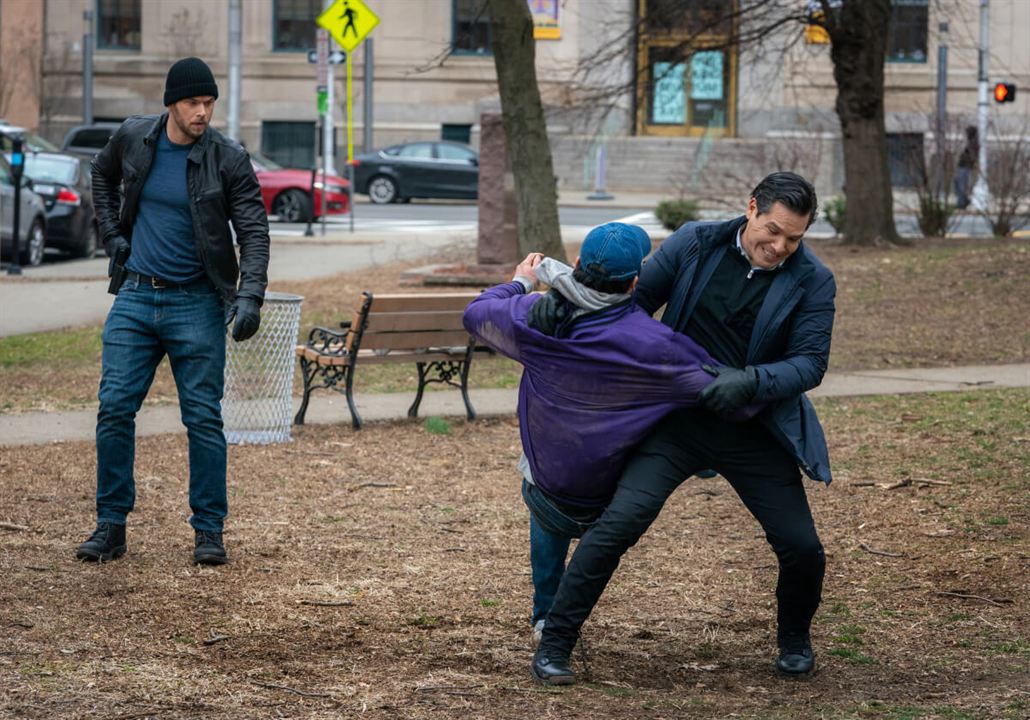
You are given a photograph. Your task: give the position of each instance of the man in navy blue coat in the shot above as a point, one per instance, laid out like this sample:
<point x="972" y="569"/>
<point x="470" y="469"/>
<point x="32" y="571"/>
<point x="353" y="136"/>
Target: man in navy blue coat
<point x="762" y="304"/>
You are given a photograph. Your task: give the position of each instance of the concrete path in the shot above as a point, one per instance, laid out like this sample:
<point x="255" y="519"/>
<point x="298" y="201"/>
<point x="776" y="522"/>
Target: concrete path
<point x="58" y="295"/>
<point x="330" y="408"/>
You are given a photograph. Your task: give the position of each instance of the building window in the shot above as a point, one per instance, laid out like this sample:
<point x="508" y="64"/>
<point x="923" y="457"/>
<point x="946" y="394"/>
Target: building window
<point x="471" y="31"/>
<point x="906" y="38"/>
<point x="118" y="24"/>
<point x="905" y="159"/>
<point x="456" y="133"/>
<point x="293" y="24"/>
<point x="290" y="143"/>
<point x="686" y="68"/>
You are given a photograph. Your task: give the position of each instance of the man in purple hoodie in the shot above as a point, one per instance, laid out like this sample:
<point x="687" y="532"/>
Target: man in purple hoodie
<point x="599" y="375"/>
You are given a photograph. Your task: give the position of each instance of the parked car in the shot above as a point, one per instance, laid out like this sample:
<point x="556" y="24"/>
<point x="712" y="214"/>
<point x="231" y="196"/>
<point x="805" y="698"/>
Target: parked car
<point x="31" y="222"/>
<point x="418" y="170"/>
<point x="287" y="191"/>
<point x="31" y="140"/>
<point x="65" y="184"/>
<point x="88" y="140"/>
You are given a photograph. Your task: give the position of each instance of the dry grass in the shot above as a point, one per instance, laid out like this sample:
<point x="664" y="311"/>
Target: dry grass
<point x="383" y="574"/>
<point x="941" y="303"/>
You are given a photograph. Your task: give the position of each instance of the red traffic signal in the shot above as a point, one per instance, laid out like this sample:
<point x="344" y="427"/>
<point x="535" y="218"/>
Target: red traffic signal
<point x="1004" y="92"/>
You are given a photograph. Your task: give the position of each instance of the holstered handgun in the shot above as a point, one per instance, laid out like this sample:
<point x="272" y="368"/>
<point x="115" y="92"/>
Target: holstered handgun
<point x="118" y="271"/>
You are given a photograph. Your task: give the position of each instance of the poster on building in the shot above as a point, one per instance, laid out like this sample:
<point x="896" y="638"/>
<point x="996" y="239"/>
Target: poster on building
<point x="545" y="19"/>
<point x="668" y="103"/>
<point x="706" y="75"/>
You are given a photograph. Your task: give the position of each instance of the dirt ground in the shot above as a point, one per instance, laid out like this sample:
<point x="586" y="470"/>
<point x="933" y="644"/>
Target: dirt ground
<point x="384" y="574"/>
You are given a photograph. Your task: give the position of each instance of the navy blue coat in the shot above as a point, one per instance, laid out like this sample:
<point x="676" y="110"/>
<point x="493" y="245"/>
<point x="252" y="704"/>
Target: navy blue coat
<point x="790" y="343"/>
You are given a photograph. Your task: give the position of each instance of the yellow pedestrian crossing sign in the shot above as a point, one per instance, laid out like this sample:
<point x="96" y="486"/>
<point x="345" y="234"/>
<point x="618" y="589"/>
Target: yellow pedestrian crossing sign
<point x="349" y="22"/>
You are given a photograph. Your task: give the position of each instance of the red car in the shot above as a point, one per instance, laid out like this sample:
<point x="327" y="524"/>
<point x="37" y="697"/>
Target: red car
<point x="287" y="192"/>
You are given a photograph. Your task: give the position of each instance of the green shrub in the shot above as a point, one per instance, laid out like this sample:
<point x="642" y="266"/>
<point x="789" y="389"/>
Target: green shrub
<point x="673" y="213"/>
<point x="834" y="209"/>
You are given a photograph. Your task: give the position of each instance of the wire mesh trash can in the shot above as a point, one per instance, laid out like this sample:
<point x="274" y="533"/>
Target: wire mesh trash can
<point x="258" y="403"/>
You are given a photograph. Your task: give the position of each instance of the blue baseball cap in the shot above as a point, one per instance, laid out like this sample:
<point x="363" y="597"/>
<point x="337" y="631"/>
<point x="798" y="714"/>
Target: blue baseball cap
<point x="614" y="251"/>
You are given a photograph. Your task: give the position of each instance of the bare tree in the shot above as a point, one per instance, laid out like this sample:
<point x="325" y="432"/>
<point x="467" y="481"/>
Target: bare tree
<point x="768" y="29"/>
<point x="1008" y="181"/>
<point x="511" y="27"/>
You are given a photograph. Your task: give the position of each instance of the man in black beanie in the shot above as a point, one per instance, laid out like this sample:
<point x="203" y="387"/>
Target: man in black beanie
<point x="166" y="188"/>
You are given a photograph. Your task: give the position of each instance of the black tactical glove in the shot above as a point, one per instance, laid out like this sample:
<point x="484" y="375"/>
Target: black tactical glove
<point x="117" y="251"/>
<point x="248" y="317"/>
<point x="731" y="390"/>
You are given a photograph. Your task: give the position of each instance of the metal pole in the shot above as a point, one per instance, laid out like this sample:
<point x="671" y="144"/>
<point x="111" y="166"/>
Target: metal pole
<point x="327" y="131"/>
<point x="942" y="104"/>
<point x="981" y="197"/>
<point x="87" y="68"/>
<point x="235" y="41"/>
<point x="600" y="171"/>
<point x="368" y="108"/>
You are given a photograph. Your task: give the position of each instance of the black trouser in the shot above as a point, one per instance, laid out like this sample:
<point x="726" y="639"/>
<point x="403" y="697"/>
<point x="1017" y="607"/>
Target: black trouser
<point x="764" y="476"/>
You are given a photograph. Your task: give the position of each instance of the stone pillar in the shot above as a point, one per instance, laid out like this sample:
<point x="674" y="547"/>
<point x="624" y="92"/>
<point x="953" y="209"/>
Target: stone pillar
<point x="498" y="242"/>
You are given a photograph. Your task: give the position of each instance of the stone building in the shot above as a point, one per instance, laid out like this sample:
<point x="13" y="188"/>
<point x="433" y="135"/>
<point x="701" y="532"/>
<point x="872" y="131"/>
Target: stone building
<point x="606" y="69"/>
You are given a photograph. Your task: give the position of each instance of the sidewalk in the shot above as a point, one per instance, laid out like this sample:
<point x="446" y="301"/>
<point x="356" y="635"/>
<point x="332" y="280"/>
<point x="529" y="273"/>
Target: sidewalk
<point x="330" y="408"/>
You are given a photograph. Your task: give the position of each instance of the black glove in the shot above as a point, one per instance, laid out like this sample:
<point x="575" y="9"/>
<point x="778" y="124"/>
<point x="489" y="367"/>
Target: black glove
<point x="731" y="390"/>
<point x="117" y="251"/>
<point x="248" y="317"/>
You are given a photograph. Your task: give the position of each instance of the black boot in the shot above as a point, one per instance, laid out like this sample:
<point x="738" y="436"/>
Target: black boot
<point x="552" y="671"/>
<point x="796" y="657"/>
<point x="208" y="548"/>
<point x="106" y="543"/>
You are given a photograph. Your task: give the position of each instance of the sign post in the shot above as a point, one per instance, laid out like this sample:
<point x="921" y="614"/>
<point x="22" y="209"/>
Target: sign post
<point x="349" y="22"/>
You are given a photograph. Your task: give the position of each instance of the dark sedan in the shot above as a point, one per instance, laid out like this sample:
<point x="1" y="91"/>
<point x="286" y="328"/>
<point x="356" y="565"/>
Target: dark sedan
<point x="418" y="170"/>
<point x="64" y="183"/>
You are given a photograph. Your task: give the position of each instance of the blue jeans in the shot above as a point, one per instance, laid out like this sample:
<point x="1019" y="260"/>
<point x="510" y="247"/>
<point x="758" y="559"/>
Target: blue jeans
<point x="145" y="324"/>
<point x="550" y="533"/>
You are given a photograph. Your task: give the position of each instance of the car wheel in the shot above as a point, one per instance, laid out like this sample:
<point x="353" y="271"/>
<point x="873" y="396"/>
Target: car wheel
<point x="35" y="244"/>
<point x="88" y="248"/>
<point x="292" y="206"/>
<point x="382" y="190"/>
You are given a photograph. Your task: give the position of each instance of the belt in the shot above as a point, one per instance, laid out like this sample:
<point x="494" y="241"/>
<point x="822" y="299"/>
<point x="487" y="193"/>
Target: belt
<point x="158" y="283"/>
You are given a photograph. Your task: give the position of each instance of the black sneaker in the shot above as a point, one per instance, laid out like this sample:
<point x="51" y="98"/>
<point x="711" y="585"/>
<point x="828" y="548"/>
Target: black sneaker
<point x="106" y="543"/>
<point x="208" y="549"/>
<point x="796" y="657"/>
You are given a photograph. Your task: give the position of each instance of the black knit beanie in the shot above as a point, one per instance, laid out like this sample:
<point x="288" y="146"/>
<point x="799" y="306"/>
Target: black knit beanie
<point x="189" y="77"/>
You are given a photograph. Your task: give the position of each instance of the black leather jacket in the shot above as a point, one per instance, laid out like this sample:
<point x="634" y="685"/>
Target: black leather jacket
<point x="222" y="188"/>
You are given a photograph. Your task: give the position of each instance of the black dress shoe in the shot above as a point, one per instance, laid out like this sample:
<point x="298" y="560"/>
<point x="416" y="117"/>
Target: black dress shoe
<point x="106" y="543"/>
<point x="208" y="549"/>
<point x="796" y="662"/>
<point x="552" y="671"/>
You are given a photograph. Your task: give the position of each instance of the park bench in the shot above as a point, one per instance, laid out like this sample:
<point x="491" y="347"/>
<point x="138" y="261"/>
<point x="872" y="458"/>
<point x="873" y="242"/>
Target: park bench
<point x="424" y="329"/>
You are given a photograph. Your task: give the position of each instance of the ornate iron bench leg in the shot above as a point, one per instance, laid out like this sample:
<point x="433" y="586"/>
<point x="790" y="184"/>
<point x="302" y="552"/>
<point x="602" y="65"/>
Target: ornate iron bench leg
<point x="304" y="370"/>
<point x="470" y="412"/>
<point x="355" y="417"/>
<point x="413" y="410"/>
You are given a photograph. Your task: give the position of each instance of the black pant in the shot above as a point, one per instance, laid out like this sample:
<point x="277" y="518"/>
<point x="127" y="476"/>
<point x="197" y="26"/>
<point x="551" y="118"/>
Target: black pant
<point x="764" y="476"/>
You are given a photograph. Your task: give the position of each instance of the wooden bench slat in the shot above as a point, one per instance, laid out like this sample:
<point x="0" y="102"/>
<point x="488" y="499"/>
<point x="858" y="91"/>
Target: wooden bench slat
<point x="421" y="303"/>
<point x="400" y="321"/>
<point x="413" y="340"/>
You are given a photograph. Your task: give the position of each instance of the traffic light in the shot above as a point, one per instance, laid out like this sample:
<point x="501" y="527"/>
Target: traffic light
<point x="1004" y="92"/>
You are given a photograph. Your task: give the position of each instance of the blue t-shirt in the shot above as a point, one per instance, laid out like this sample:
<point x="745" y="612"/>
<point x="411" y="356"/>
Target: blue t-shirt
<point x="162" y="239"/>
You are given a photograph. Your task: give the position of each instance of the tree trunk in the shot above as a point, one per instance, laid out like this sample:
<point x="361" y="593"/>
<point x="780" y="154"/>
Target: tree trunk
<point x="859" y="46"/>
<point x="511" y="27"/>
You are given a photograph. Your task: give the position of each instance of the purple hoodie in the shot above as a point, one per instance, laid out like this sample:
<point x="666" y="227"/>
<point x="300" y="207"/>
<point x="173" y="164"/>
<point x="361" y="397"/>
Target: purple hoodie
<point x="588" y="399"/>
